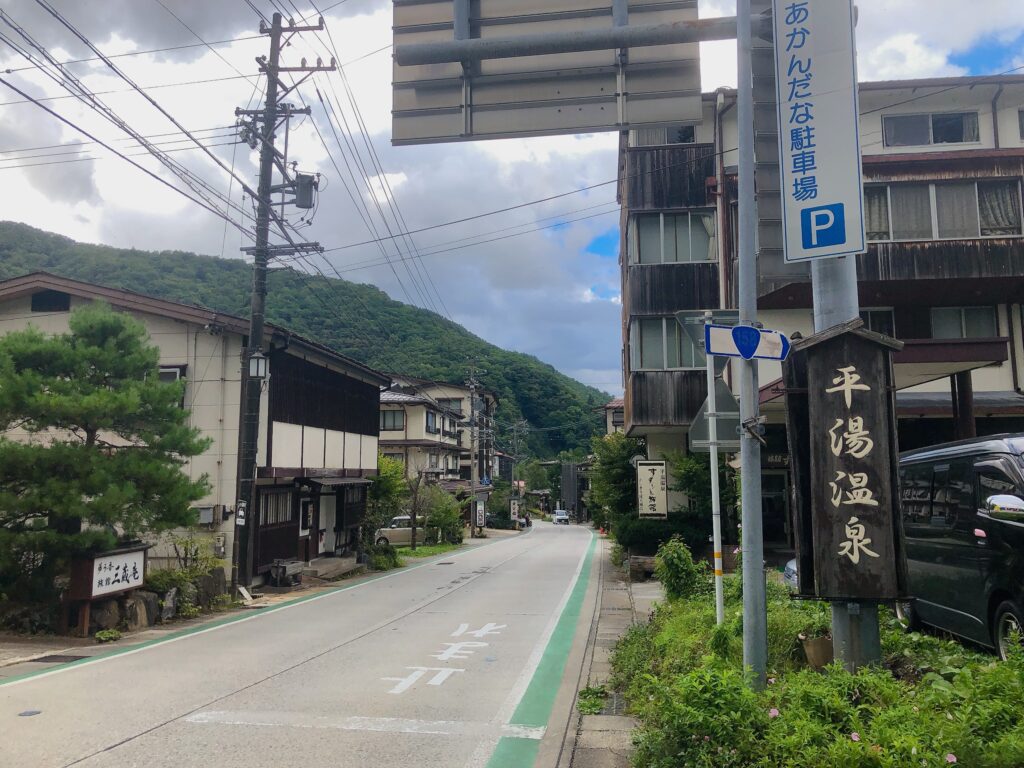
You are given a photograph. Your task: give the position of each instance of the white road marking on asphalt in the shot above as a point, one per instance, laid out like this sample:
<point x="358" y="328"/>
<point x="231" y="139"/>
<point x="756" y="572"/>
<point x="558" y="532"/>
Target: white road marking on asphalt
<point x="378" y="724"/>
<point x="197" y="633"/>
<point x="461" y="650"/>
<point x="485" y="748"/>
<point x="407" y="682"/>
<point x="490" y="628"/>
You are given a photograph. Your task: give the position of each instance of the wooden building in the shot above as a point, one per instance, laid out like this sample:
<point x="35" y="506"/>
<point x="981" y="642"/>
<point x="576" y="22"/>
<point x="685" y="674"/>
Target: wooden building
<point x="943" y="163"/>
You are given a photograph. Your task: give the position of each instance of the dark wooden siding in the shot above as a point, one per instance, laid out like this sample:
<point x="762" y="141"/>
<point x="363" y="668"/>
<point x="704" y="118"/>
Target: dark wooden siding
<point x="305" y="393"/>
<point x="669" y="177"/>
<point x="664" y="398"/>
<point x="660" y="289"/>
<point x="943" y="260"/>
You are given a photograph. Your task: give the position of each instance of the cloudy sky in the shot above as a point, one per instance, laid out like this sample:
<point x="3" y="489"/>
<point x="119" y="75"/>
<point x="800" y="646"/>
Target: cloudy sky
<point x="546" y="284"/>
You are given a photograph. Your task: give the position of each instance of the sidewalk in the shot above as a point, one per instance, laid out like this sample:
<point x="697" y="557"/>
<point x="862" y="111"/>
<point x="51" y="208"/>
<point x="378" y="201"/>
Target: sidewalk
<point x="605" y="740"/>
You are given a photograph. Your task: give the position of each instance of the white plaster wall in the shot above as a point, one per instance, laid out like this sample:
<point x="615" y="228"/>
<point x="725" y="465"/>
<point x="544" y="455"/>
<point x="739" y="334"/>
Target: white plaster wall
<point x="368" y="449"/>
<point x="353" y="451"/>
<point x="313" y="439"/>
<point x="335" y="448"/>
<point x="287" y="445"/>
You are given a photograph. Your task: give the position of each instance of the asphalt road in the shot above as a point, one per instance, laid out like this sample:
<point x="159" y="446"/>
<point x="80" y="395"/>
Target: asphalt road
<point x="454" y="662"/>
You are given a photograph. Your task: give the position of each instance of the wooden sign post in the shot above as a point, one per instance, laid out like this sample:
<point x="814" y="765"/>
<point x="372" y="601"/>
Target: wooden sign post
<point x="104" y="575"/>
<point x="842" y="431"/>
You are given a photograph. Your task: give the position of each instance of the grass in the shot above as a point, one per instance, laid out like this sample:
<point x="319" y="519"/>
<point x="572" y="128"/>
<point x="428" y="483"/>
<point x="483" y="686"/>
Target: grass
<point x="591" y="700"/>
<point x="427" y="550"/>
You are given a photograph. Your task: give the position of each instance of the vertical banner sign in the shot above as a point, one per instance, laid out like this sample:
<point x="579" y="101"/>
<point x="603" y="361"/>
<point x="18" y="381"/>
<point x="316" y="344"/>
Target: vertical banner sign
<point x="480" y="517"/>
<point x="854" y="504"/>
<point x="652" y="489"/>
<point x="819" y="142"/>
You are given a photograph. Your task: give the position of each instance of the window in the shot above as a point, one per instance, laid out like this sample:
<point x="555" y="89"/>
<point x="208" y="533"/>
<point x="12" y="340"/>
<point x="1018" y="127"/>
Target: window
<point x="964" y="323"/>
<point x="452" y="403"/>
<point x="1020" y="121"/>
<point x="921" y="130"/>
<point x="879" y="321"/>
<point x="433" y="461"/>
<point x="355" y="494"/>
<point x="392" y="420"/>
<point x="171" y="373"/>
<point x="675" y="134"/>
<point x="667" y="238"/>
<point x="993" y="481"/>
<point x="947" y="211"/>
<point x="276" y="507"/>
<point x="661" y="344"/>
<point x="395" y="457"/>
<point x="915" y="493"/>
<point x="432" y="423"/>
<point x="51" y="301"/>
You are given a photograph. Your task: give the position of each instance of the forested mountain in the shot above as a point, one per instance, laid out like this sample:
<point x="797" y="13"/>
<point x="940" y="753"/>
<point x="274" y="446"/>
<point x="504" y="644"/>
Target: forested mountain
<point x="358" y="320"/>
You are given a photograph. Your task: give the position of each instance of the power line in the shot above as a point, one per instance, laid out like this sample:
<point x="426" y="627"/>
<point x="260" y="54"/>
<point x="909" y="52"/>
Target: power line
<point x="71" y="83"/>
<point x="143" y="53"/>
<point x="109" y="148"/>
<point x="157" y="86"/>
<point x="125" y="138"/>
<point x="92" y="158"/>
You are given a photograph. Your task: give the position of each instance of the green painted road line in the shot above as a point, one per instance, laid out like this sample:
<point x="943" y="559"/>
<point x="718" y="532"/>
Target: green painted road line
<point x="534" y="709"/>
<point x="513" y="752"/>
<point x="254" y="613"/>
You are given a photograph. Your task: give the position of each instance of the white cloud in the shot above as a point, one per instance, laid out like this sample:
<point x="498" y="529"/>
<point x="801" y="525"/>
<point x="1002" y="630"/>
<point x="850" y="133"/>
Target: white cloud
<point x="535" y="291"/>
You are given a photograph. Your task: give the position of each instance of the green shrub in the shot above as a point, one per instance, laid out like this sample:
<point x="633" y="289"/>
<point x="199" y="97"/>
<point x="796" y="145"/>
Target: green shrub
<point x="108" y="635"/>
<point x="643" y="537"/>
<point x="618" y="555"/>
<point x="933" y="702"/>
<point x="163" y="580"/>
<point x="675" y="569"/>
<point x="706" y="717"/>
<point x="383" y="557"/>
<point x="444" y="516"/>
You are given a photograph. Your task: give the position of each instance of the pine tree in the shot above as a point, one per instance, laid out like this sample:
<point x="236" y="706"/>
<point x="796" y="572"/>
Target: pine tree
<point x="92" y="449"/>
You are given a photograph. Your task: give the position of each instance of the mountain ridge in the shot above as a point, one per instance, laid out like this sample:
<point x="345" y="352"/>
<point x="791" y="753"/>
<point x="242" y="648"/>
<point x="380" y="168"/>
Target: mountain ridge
<point x="356" y="319"/>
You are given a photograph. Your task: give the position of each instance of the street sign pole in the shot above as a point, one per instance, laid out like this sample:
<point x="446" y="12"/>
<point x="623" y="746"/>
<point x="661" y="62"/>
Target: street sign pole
<point x="822" y="211"/>
<point x="755" y="609"/>
<point x="716" y="502"/>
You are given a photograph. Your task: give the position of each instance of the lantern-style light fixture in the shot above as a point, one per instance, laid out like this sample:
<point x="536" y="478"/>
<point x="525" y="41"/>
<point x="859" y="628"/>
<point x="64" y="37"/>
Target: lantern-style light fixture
<point x="258" y="366"/>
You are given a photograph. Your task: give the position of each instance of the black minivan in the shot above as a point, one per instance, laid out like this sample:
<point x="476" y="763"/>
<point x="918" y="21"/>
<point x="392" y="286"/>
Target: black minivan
<point x="963" y="522"/>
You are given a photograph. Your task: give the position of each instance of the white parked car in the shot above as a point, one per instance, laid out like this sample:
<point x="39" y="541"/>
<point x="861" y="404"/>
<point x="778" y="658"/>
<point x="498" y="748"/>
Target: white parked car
<point x="561" y="517"/>
<point x="791" y="576"/>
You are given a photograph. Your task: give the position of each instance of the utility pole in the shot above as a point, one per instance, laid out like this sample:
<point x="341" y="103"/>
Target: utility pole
<point x="262" y="127"/>
<point x="474" y="465"/>
<point x="755" y="608"/>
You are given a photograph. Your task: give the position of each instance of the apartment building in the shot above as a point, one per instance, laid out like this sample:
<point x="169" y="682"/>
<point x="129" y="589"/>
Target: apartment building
<point x="474" y="411"/>
<point x="421" y="433"/>
<point x="943" y="161"/>
<point x="318" y="430"/>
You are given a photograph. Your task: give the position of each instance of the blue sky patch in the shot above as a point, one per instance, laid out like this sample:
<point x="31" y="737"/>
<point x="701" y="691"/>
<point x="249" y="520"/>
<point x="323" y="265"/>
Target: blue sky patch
<point x="605" y="245"/>
<point x="605" y="292"/>
<point x="990" y="56"/>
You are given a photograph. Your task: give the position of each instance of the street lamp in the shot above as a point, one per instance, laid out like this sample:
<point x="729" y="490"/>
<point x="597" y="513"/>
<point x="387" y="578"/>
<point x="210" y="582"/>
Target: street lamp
<point x="258" y="366"/>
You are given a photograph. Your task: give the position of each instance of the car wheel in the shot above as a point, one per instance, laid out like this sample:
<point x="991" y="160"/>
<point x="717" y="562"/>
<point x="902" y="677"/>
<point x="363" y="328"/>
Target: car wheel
<point x="382" y="540"/>
<point x="1009" y="621"/>
<point x="906" y="615"/>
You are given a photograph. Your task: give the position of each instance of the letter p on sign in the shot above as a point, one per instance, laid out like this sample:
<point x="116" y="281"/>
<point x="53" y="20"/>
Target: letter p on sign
<point x="823" y="226"/>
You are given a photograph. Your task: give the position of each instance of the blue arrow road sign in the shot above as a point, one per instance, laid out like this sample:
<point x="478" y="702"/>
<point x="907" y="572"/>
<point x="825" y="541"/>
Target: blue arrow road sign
<point x="745" y="341"/>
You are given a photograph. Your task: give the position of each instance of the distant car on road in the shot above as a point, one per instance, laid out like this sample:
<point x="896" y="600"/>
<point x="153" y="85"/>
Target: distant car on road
<point x="561" y="517"/>
<point x="398" y="533"/>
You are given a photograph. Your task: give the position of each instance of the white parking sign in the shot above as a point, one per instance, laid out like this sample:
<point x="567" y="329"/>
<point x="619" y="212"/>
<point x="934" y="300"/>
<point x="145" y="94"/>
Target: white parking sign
<point x="819" y="142"/>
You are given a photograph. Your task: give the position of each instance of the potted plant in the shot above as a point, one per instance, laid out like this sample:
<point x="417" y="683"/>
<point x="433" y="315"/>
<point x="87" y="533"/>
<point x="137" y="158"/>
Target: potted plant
<point x="816" y="638"/>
